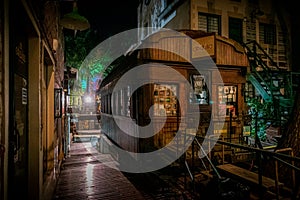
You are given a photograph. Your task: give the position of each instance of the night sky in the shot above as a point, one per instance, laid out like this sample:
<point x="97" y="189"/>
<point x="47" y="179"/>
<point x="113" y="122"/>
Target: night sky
<point x="109" y="17"/>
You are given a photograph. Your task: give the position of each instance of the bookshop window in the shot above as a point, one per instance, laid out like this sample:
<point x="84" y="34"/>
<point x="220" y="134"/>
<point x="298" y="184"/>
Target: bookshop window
<point x="199" y="90"/>
<point x="165" y="100"/>
<point x="227" y="100"/>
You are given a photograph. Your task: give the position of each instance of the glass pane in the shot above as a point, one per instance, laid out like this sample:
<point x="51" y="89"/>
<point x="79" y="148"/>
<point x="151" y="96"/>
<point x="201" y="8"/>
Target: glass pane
<point x="199" y="90"/>
<point x="227" y="100"/>
<point x="165" y="100"/>
<point x="209" y="23"/>
<point x="213" y="24"/>
<point x="236" y="29"/>
<point x="267" y="33"/>
<point x="202" y="23"/>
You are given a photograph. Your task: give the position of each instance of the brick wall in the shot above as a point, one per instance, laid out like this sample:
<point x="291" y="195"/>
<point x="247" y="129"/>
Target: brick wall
<point x="48" y="14"/>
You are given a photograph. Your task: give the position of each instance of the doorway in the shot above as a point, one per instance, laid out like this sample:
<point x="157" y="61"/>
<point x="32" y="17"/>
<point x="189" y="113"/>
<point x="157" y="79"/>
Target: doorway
<point x="18" y="109"/>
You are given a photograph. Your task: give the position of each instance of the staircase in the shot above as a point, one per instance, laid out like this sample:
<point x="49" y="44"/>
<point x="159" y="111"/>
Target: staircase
<point x="86" y="136"/>
<point x="87" y="128"/>
<point x="274" y="84"/>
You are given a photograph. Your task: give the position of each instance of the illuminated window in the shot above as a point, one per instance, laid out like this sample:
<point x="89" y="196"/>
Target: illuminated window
<point x="227" y="100"/>
<point x="199" y="90"/>
<point x="165" y="100"/>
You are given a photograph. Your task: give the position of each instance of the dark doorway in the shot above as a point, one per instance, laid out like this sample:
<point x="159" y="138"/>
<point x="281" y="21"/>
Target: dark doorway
<point x="18" y="134"/>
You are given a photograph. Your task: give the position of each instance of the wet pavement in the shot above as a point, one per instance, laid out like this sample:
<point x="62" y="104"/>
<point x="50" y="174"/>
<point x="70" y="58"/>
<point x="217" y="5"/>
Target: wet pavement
<point x="86" y="174"/>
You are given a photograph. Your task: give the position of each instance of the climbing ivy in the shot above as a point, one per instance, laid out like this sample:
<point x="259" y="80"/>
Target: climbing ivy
<point x="261" y="113"/>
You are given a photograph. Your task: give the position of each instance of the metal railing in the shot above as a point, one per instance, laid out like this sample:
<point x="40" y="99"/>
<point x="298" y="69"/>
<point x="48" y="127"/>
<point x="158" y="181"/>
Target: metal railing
<point x="278" y="156"/>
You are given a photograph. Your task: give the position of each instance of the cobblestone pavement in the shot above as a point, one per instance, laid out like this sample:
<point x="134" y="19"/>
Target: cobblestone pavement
<point x="85" y="174"/>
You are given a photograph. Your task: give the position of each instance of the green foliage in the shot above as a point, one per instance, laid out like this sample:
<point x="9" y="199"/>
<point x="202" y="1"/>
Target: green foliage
<point x="77" y="49"/>
<point x="78" y="46"/>
<point x="261" y="115"/>
<point x="92" y="61"/>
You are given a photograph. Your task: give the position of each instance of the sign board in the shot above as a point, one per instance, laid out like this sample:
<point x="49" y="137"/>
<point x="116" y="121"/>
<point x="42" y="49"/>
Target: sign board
<point x="208" y="47"/>
<point x="246" y="131"/>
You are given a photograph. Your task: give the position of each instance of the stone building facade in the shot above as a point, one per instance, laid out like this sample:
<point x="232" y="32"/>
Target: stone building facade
<point x="31" y="69"/>
<point x="267" y="22"/>
<point x="269" y="26"/>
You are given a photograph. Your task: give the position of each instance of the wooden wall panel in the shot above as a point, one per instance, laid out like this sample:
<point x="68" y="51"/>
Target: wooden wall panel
<point x="230" y="53"/>
<point x="168" y="49"/>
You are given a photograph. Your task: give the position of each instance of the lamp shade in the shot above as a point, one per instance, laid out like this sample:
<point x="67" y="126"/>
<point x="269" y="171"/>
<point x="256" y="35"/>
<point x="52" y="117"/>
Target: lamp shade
<point x="74" y="21"/>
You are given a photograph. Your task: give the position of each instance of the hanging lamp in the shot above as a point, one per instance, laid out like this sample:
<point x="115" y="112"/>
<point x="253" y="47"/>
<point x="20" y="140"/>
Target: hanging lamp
<point x="74" y="21"/>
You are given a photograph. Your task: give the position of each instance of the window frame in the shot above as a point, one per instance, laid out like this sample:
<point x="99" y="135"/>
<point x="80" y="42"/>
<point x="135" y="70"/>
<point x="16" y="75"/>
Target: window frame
<point x="224" y="101"/>
<point x="267" y="33"/>
<point x="208" y="17"/>
<point x="193" y="92"/>
<point x="231" y="21"/>
<point x="165" y="94"/>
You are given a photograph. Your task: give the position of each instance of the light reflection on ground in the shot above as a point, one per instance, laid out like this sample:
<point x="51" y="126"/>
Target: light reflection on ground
<point x="90" y="179"/>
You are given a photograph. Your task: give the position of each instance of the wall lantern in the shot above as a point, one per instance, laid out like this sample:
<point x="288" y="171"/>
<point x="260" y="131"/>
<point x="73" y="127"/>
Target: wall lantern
<point x="74" y="21"/>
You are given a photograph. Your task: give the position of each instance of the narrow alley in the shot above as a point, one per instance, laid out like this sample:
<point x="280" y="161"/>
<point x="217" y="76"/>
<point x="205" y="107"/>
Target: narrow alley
<point x="85" y="174"/>
<point x="149" y="100"/>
